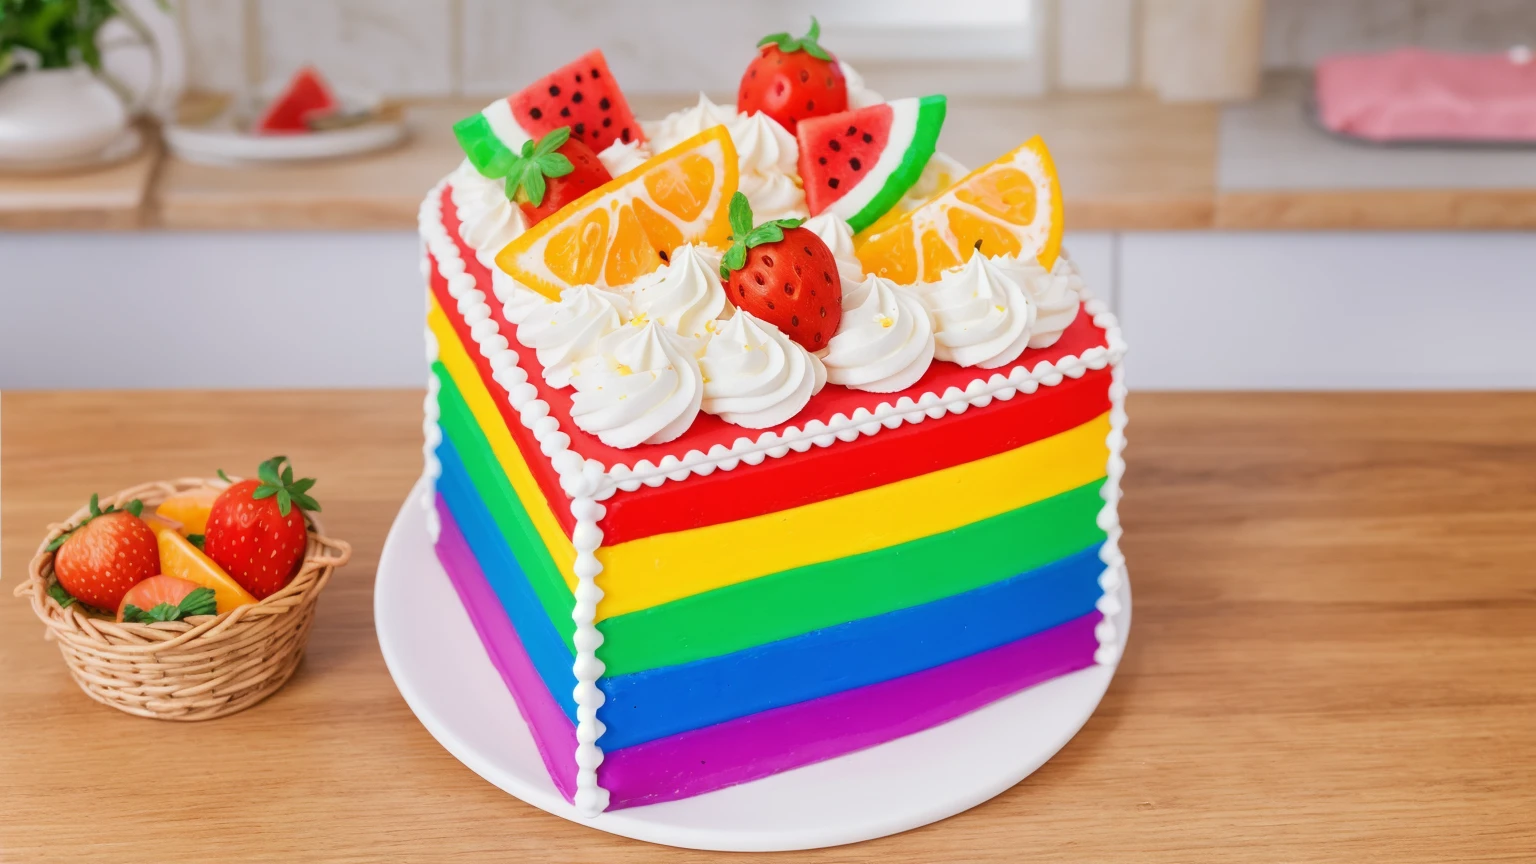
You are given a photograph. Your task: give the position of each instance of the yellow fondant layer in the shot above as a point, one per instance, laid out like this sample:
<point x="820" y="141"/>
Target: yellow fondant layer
<point x="639" y="574"/>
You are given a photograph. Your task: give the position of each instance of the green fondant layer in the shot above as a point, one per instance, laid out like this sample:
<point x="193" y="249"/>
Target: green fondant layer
<point x="791" y="602"/>
<point x="496" y="491"/>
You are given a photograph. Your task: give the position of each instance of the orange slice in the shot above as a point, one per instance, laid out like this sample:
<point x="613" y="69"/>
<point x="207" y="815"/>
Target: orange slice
<point x="1009" y="207"/>
<point x="179" y="558"/>
<point x="190" y="508"/>
<point x="628" y="226"/>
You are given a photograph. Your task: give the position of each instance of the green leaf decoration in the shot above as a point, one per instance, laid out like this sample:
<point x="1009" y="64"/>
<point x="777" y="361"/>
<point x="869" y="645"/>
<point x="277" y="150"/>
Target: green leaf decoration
<point x="223" y="476"/>
<point x="809" y="43"/>
<point x="196" y="540"/>
<point x="526" y="176"/>
<point x="744" y="236"/>
<point x="62" y="597"/>
<point x="740" y="216"/>
<point x="134" y="507"/>
<point x="200" y="601"/>
<point x="734" y="259"/>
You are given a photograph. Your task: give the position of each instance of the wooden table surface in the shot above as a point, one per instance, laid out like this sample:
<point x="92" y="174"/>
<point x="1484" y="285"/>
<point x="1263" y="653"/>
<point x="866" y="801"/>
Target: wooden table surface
<point x="1333" y="656"/>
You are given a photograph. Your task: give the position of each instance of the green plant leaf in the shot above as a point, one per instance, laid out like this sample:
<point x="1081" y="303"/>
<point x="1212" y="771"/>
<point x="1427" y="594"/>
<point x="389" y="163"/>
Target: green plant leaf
<point x="554" y="165"/>
<point x="196" y="540"/>
<point x="733" y="259"/>
<point x="764" y="233"/>
<point x="553" y="140"/>
<point x="223" y="476"/>
<point x="264" y="492"/>
<point x="533" y="185"/>
<point x="135" y="507"/>
<point x="202" y="601"/>
<point x="284" y="502"/>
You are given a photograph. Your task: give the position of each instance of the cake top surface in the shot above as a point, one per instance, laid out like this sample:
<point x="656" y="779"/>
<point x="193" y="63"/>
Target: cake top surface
<point x="730" y="277"/>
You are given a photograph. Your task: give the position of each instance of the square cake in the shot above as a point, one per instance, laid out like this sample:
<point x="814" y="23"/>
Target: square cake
<point x="758" y="584"/>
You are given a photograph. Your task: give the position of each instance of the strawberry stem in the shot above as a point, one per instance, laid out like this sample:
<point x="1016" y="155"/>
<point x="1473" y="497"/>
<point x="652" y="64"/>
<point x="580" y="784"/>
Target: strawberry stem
<point x="809" y="43"/>
<point x="133" y="508"/>
<point x="744" y="236"/>
<point x="525" y="177"/>
<point x="277" y="481"/>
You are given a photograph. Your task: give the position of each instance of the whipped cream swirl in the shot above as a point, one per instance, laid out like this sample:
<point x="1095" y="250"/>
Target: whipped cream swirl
<point x="768" y="159"/>
<point x="643" y="386"/>
<point x="622" y="157"/>
<point x="983" y="317"/>
<point x="684" y="294"/>
<point x="564" y="333"/>
<point x="679" y="126"/>
<point x="834" y="232"/>
<point x="755" y="376"/>
<point x="488" y="220"/>
<point x="1057" y="293"/>
<point x="518" y="301"/>
<point x="859" y="96"/>
<point x="885" y="341"/>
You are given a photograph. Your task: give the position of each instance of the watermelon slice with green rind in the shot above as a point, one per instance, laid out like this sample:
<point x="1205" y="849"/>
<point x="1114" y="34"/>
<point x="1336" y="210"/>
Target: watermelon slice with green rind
<point x="858" y="164"/>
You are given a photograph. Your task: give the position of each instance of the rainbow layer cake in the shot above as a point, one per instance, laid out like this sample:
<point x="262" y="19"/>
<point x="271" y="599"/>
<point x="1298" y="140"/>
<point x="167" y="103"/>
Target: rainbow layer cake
<point x="761" y="434"/>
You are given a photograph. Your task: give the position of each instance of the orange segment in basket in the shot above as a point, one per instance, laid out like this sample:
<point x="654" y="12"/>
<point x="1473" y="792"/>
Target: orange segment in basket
<point x="626" y="227"/>
<point x="179" y="558"/>
<point x="190" y="508"/>
<point x="1009" y="207"/>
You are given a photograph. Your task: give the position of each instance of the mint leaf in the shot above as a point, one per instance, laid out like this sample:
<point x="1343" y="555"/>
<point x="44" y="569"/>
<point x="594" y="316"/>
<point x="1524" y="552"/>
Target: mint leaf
<point x="740" y="216"/>
<point x="201" y="601"/>
<point x="552" y="141"/>
<point x="554" y="165"/>
<point x="764" y="233"/>
<point x="734" y="259"/>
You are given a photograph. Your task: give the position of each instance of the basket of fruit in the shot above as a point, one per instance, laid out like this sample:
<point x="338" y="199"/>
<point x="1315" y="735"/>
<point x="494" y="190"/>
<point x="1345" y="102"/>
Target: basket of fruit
<point x="189" y="599"/>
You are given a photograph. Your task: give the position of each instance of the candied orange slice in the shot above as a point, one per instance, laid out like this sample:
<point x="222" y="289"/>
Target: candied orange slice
<point x="629" y="226"/>
<point x="190" y="508"/>
<point x="179" y="558"/>
<point x="1009" y="207"/>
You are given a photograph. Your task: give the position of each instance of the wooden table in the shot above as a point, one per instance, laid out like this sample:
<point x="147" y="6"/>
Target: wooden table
<point x="1333" y="655"/>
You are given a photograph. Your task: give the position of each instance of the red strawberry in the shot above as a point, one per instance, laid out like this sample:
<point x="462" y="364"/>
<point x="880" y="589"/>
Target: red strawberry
<point x="104" y="556"/>
<point x="553" y="173"/>
<point x="791" y="79"/>
<point x="783" y="274"/>
<point x="256" y="533"/>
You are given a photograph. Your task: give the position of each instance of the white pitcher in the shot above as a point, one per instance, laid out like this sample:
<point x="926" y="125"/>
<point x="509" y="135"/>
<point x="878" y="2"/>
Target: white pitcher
<point x="57" y="114"/>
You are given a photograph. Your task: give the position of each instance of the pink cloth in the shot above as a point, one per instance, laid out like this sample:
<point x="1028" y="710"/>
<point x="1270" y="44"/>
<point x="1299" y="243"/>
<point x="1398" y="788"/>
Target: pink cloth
<point x="1416" y="94"/>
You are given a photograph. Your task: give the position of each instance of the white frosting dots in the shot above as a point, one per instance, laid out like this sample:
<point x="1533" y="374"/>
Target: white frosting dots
<point x="982" y="316"/>
<point x="755" y="376"/>
<point x="885" y="341"/>
<point x="566" y="332"/>
<point x="684" y="294"/>
<point x="643" y="386"/>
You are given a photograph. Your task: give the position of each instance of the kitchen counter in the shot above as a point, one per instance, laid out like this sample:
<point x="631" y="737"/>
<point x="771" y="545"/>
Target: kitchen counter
<point x="1333" y="654"/>
<point x="1127" y="161"/>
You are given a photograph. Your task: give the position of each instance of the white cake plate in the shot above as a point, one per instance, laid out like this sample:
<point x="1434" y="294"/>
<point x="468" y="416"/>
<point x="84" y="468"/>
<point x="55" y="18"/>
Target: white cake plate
<point x="448" y="680"/>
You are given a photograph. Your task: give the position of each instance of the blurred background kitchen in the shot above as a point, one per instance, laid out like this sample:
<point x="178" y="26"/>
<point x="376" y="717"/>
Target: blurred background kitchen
<point x="1243" y="245"/>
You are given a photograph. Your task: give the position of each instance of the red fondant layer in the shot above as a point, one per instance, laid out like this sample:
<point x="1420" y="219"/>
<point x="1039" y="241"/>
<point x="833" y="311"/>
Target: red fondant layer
<point x="818" y="474"/>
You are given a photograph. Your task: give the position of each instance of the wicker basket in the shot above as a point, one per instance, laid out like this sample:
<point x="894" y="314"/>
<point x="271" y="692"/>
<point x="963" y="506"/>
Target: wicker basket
<point x="199" y="668"/>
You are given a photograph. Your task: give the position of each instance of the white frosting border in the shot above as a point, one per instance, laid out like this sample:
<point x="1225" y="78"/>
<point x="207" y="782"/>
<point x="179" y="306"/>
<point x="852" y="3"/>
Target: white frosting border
<point x="588" y="482"/>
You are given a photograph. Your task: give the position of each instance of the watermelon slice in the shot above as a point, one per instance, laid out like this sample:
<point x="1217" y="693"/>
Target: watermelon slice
<point x="306" y="96"/>
<point x="859" y="163"/>
<point x="582" y="95"/>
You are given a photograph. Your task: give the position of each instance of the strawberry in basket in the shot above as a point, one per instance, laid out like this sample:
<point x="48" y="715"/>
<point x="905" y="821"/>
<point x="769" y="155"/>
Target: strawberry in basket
<point x="100" y="559"/>
<point x="256" y="529"/>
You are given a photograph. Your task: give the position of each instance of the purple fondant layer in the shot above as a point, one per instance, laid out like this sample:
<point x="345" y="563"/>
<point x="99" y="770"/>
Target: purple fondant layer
<point x="702" y="760"/>
<point x="749" y="748"/>
<point x="552" y="730"/>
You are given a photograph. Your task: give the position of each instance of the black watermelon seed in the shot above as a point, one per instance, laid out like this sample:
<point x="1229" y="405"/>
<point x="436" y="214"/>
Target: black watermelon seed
<point x="566" y="111"/>
<point x="832" y="181"/>
<point x="851" y="130"/>
<point x="794" y="320"/>
<point x="607" y="121"/>
<point x="576" y="97"/>
<point x="596" y="75"/>
<point x="604" y="103"/>
<point x="554" y="90"/>
<point x="535" y="113"/>
<point x="810" y="104"/>
<point x="820" y="160"/>
<point x="624" y="133"/>
<point x="581" y="129"/>
<point x="868" y="137"/>
<point x="835" y="145"/>
<point x="578" y="77"/>
<point x="855" y="164"/>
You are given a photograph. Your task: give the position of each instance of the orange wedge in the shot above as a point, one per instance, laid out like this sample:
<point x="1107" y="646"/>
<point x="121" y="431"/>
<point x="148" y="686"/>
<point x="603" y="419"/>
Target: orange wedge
<point x="190" y="508"/>
<point x="628" y="226"/>
<point x="179" y="558"/>
<point x="1009" y="207"/>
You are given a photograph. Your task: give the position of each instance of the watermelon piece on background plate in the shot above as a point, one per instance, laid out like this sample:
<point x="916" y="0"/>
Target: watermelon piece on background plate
<point x="306" y="96"/>
<point x="859" y="163"/>
<point x="582" y="95"/>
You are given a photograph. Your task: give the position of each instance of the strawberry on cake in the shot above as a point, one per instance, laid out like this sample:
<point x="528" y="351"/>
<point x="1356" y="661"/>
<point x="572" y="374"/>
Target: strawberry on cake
<point x="761" y="433"/>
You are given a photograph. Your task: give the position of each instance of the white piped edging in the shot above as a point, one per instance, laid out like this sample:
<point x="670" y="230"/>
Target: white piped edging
<point x="588" y="482"/>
